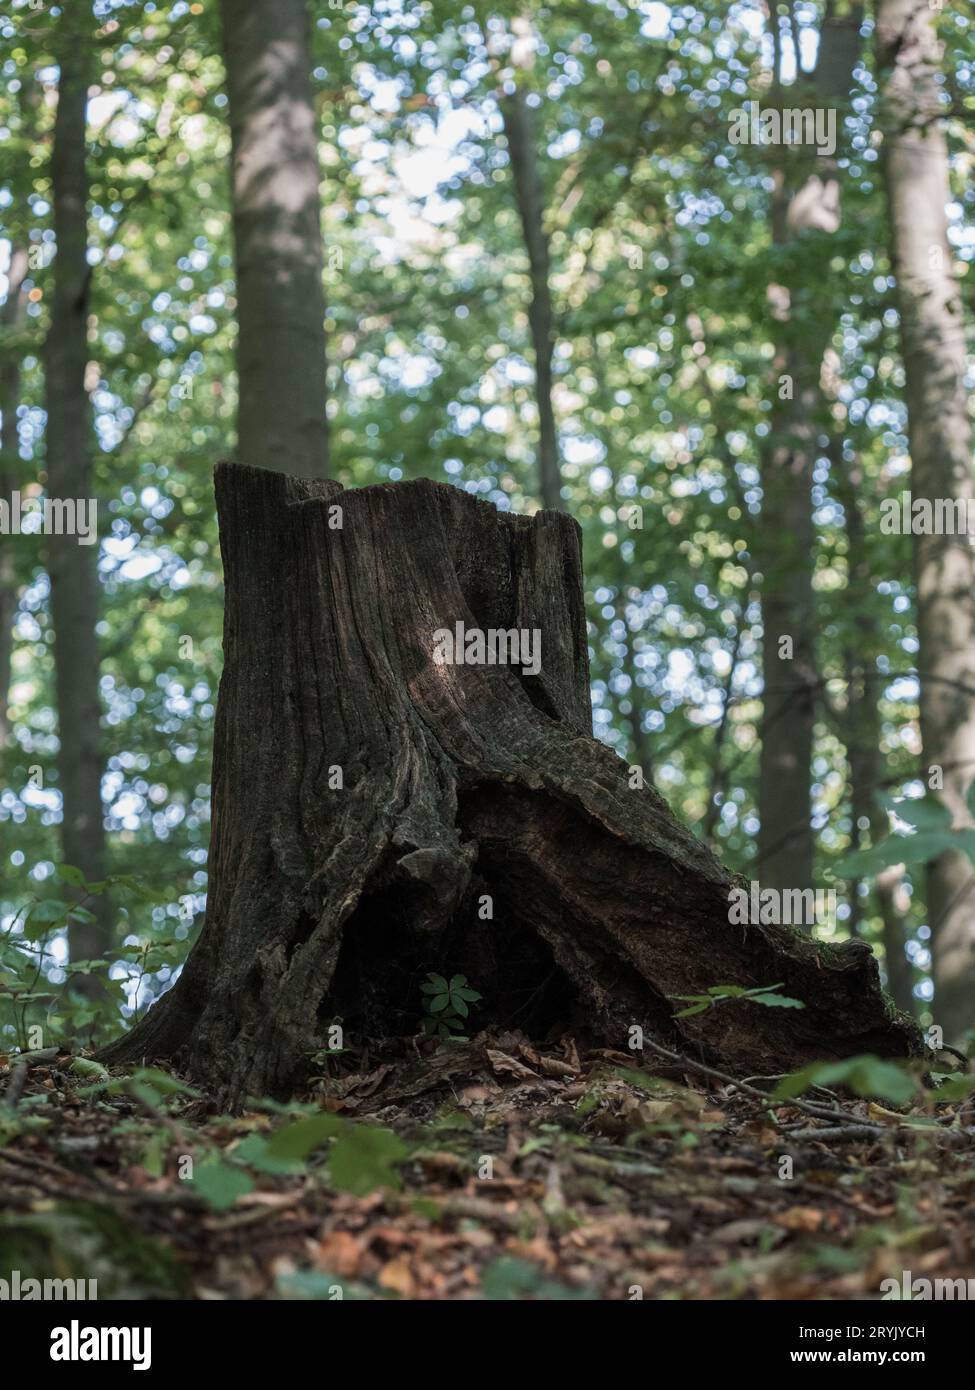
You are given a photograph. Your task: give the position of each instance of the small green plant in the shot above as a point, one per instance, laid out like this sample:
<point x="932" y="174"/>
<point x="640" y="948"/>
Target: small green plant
<point x="865" y="1075"/>
<point x="446" y="1005"/>
<point x="720" y="994"/>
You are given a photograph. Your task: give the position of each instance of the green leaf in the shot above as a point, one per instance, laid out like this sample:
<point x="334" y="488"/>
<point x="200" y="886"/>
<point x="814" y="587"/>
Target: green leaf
<point x="42" y="915"/>
<point x="510" y="1278"/>
<point x="924" y="813"/>
<point x="220" y="1185"/>
<point x="865" y="863"/>
<point x="919" y="848"/>
<point x="955" y="1086"/>
<point x="698" y="1008"/>
<point x="776" y="1001"/>
<point x="309" y="1285"/>
<point x="161" y="1081"/>
<point x="254" y="1152"/>
<point x="643" y="1080"/>
<point x="864" y="1075"/>
<point x="88" y="1068"/>
<point x="364" y="1158"/>
<point x="152" y="1156"/>
<point x="439" y="1004"/>
<point x="144" y="1092"/>
<point x="928" y="845"/>
<point x="297" y="1141"/>
<point x="67" y="873"/>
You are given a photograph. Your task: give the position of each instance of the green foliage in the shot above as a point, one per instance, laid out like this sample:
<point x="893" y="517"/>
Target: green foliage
<point x="318" y="1285"/>
<point x="220" y="1184"/>
<point x="864" y="1075"/>
<point x="40" y="997"/>
<point x="361" y="1158"/>
<point x="85" y="1240"/>
<point x="86" y="1067"/>
<point x="295" y="1142"/>
<point x="951" y="1086"/>
<point x="929" y="835"/>
<point x="720" y="994"/>
<point x="510" y="1278"/>
<point x="364" y="1157"/>
<point x="447" y="1005"/>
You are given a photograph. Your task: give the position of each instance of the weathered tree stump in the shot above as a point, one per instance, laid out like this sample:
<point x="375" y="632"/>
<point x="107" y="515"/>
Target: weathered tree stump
<point x="368" y="799"/>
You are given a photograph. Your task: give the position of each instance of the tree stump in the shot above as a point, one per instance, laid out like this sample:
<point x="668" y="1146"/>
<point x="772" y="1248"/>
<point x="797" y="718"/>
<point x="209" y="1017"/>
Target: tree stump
<point x="379" y="813"/>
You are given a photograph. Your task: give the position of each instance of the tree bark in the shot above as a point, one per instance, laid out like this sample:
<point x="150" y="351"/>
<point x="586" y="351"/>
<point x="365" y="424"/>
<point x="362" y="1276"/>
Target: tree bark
<point x="73" y="567"/>
<point x="863" y="736"/>
<point x="519" y="129"/>
<point x="281" y="411"/>
<point x="807" y="205"/>
<point x="933" y="349"/>
<point x="11" y="315"/>
<point x="459" y="783"/>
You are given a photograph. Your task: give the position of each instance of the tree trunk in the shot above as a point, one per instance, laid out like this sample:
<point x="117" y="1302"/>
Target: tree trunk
<point x="933" y="349"/>
<point x="73" y="567"/>
<point x="519" y="129"/>
<point x="805" y="206"/>
<point x="863" y="735"/>
<point x="281" y="419"/>
<point x="892" y="902"/>
<point x="372" y="808"/>
<point x="11" y="315"/>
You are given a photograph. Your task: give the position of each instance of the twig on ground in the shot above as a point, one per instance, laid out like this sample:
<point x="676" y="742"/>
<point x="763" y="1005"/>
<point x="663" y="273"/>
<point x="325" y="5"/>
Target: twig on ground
<point x="817" y="1112"/>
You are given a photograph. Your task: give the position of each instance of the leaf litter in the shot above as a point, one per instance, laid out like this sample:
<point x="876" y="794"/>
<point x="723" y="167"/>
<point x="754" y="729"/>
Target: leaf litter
<point x="494" y="1167"/>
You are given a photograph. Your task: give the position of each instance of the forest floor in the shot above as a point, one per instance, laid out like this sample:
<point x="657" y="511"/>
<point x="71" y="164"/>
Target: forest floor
<point x="491" y="1168"/>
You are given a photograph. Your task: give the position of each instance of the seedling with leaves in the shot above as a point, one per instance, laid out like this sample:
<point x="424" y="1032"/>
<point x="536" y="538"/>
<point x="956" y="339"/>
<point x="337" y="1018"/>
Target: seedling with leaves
<point x="447" y="1005"/>
<point x="721" y="994"/>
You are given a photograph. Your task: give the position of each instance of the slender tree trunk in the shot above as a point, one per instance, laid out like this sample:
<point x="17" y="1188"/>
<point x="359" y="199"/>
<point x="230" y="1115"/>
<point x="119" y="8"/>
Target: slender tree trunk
<point x="529" y="189"/>
<point x="281" y="413"/>
<point x="637" y="696"/>
<point x="863" y="737"/>
<point x="933" y="349"/>
<point x="412" y="814"/>
<point x="786" y="559"/>
<point x="11" y="314"/>
<point x="809" y="203"/>
<point x="73" y="567"/>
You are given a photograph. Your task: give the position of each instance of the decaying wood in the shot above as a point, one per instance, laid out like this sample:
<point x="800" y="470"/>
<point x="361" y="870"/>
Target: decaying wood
<point x="459" y="784"/>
